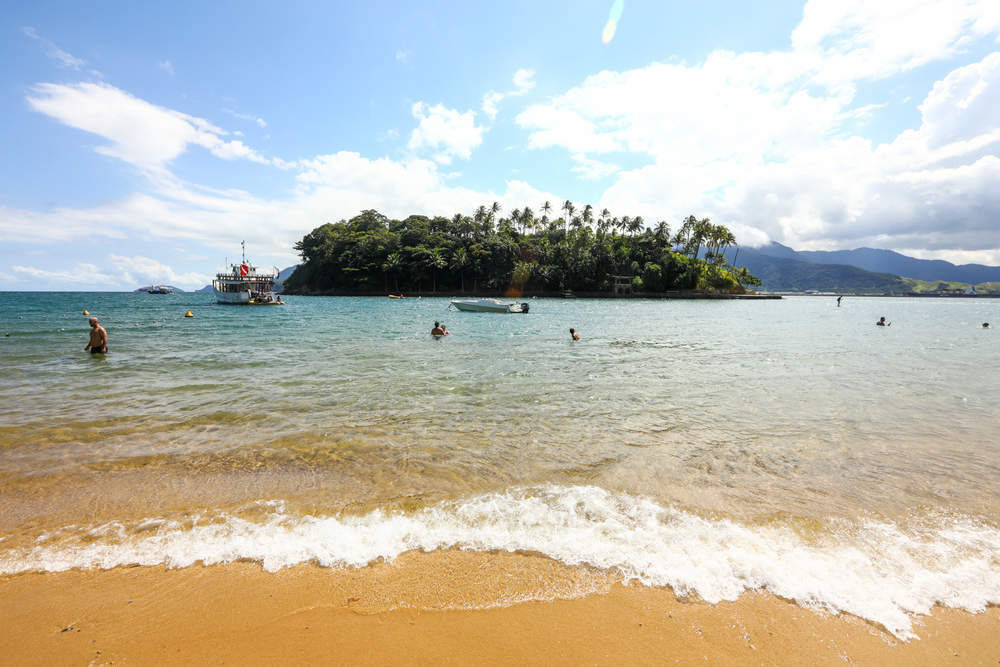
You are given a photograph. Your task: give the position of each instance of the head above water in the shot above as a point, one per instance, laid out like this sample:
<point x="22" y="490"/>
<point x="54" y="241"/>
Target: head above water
<point x="436" y="323"/>
<point x="986" y="325"/>
<point x="93" y="321"/>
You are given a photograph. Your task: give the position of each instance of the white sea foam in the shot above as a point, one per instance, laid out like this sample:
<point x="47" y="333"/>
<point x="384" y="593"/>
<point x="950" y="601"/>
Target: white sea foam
<point x="880" y="571"/>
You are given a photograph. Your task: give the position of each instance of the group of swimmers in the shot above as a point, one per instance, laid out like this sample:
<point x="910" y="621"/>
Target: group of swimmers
<point x="441" y="330"/>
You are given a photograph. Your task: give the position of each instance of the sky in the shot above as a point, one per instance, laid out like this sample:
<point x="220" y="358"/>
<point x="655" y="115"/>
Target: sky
<point x="144" y="141"/>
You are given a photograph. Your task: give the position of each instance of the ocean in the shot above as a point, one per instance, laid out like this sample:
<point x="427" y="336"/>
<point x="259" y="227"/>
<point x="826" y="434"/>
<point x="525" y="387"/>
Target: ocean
<point x="715" y="447"/>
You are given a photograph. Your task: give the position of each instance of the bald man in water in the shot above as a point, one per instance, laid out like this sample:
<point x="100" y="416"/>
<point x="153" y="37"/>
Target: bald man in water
<point x="98" y="338"/>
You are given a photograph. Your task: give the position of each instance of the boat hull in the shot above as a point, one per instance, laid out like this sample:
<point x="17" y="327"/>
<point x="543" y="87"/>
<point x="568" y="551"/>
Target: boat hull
<point x="235" y="298"/>
<point x="487" y="306"/>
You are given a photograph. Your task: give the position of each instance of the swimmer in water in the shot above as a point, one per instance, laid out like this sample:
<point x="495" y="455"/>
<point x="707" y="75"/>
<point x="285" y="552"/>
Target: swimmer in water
<point x="98" y="338"/>
<point x="573" y="334"/>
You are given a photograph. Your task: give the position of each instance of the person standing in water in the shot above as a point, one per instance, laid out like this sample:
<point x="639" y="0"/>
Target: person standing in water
<point x="883" y="323"/>
<point x="838" y="300"/>
<point x="98" y="338"/>
<point x="437" y="330"/>
<point x="573" y="334"/>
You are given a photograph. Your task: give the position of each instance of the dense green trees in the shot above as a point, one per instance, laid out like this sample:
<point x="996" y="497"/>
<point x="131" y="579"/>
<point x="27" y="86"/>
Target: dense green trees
<point x="370" y="253"/>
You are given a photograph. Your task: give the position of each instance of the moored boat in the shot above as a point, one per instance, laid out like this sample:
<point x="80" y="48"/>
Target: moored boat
<point x="246" y="285"/>
<point x="489" y="306"/>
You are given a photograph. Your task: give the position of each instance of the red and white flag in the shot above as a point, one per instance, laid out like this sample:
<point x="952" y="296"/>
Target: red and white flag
<point x="244" y="269"/>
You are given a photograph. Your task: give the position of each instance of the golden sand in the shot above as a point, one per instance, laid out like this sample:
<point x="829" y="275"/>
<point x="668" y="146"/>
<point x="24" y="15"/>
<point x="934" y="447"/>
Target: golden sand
<point x="420" y="610"/>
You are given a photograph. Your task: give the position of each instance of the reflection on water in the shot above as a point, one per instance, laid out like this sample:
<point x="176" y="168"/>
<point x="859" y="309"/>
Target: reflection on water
<point x="743" y="409"/>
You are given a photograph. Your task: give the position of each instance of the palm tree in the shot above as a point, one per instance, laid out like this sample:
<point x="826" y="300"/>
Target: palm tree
<point x="662" y="233"/>
<point x="569" y="208"/>
<point x="636" y="225"/>
<point x="528" y="218"/>
<point x="436" y="260"/>
<point x="588" y="214"/>
<point x="460" y="261"/>
<point x="546" y="209"/>
<point x="515" y="217"/>
<point x="494" y="209"/>
<point x="391" y="265"/>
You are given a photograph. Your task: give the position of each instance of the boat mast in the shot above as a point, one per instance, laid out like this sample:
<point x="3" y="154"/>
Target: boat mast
<point x="243" y="244"/>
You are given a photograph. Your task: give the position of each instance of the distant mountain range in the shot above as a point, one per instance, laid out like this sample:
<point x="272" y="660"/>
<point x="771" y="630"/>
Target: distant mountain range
<point x="282" y="277"/>
<point x="864" y="270"/>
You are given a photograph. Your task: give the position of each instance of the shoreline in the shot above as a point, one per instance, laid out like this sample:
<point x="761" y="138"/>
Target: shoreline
<point x="443" y="608"/>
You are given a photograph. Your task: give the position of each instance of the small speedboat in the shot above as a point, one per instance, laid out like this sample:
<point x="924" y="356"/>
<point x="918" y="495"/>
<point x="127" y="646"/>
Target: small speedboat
<point x="490" y="306"/>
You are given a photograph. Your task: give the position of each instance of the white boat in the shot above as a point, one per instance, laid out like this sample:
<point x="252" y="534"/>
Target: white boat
<point x="246" y="285"/>
<point x="490" y="306"/>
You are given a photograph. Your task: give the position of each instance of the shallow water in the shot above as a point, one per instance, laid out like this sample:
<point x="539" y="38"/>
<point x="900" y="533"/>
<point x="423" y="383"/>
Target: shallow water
<point x="792" y="416"/>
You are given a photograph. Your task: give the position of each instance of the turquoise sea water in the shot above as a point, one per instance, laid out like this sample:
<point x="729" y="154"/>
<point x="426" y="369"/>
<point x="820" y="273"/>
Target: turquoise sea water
<point x="754" y="414"/>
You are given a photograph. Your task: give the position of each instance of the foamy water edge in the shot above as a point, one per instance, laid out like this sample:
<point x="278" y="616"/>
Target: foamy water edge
<point x="877" y="570"/>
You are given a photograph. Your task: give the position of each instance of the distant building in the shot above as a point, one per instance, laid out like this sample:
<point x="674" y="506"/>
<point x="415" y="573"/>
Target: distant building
<point x="623" y="286"/>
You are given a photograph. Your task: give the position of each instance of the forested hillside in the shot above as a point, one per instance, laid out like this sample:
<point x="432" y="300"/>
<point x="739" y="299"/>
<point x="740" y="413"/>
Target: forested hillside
<point x="490" y="253"/>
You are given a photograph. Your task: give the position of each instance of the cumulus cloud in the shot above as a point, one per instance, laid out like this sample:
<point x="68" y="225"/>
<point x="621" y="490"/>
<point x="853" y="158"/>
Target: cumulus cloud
<point x="447" y="132"/>
<point x="139" y="270"/>
<point x="490" y="101"/>
<point x="524" y="80"/>
<point x="166" y="66"/>
<point x="766" y="142"/>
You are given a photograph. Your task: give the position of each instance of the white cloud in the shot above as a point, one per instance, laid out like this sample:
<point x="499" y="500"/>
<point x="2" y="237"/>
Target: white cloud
<point x="166" y="66"/>
<point x="446" y="131"/>
<point x="260" y="122"/>
<point x="81" y="275"/>
<point x="64" y="59"/>
<point x="139" y="271"/>
<point x="118" y="272"/>
<point x="591" y="169"/>
<point x="857" y="39"/>
<point x="403" y="56"/>
<point x="139" y="133"/>
<point x="490" y="101"/>
<point x="524" y="80"/>
<point x="764" y="141"/>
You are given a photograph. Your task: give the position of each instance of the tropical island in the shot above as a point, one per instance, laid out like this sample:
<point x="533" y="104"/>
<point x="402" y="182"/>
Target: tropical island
<point x="583" y="251"/>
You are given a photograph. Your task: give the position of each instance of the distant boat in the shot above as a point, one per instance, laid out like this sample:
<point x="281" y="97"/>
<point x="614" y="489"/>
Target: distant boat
<point x="490" y="306"/>
<point x="245" y="285"/>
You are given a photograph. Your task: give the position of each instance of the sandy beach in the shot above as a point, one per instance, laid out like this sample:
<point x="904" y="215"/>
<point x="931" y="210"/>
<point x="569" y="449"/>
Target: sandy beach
<point x="416" y="610"/>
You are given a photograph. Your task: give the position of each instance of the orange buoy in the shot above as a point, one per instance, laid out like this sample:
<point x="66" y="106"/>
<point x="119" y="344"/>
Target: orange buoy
<point x="189" y="314"/>
<point x="86" y="312"/>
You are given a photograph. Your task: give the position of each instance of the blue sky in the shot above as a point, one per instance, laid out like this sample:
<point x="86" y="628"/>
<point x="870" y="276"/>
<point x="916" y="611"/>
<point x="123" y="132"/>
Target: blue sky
<point x="142" y="144"/>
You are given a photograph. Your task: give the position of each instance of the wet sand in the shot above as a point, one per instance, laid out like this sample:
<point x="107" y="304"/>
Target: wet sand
<point x="439" y="608"/>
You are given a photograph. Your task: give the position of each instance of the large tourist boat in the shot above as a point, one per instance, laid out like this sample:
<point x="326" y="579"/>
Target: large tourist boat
<point x="246" y="285"/>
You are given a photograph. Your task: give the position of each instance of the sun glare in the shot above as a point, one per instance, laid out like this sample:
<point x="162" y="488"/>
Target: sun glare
<point x="613" y="17"/>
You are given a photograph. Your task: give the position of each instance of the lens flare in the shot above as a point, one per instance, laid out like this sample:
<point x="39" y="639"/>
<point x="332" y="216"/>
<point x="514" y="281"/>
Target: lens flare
<point x="613" y="17"/>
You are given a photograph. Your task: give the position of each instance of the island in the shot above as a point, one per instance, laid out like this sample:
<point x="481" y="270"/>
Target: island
<point x="585" y="253"/>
